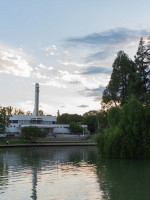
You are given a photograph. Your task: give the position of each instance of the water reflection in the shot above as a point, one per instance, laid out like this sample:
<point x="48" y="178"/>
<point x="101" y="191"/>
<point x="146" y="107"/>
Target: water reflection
<point x="124" y="179"/>
<point x="70" y="173"/>
<point x="49" y="173"/>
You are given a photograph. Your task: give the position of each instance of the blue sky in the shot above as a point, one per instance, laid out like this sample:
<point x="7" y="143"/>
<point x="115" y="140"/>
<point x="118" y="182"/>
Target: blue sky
<point x="68" y="46"/>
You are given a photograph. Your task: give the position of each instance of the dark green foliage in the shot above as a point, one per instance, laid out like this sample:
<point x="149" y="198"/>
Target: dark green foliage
<point x="67" y="118"/>
<point x="127" y="101"/>
<point x="89" y="118"/>
<point x="75" y="128"/>
<point x="102" y="119"/>
<point x="33" y="133"/>
<point x="91" y="121"/>
<point x="5" y="113"/>
<point x="142" y="61"/>
<point x="128" y="133"/>
<point x="117" y="90"/>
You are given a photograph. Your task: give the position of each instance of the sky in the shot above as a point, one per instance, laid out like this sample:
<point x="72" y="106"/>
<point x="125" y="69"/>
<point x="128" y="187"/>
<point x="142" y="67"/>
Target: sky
<point x="68" y="47"/>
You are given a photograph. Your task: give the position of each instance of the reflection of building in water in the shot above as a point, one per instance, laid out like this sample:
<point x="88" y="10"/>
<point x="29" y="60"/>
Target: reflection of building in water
<point x="46" y="123"/>
<point x="24" y="168"/>
<point x="3" y="172"/>
<point x="34" y="184"/>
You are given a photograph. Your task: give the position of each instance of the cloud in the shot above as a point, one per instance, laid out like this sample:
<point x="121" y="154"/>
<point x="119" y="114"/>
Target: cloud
<point x="98" y="99"/>
<point x="68" y="62"/>
<point x="110" y="37"/>
<point x="53" y="83"/>
<point x="95" y="92"/>
<point x="26" y="105"/>
<point x="49" y="48"/>
<point x="75" y="82"/>
<point x="13" y="61"/>
<point x="99" y="55"/>
<point x="45" y="67"/>
<point x="48" y="75"/>
<point x="83" y="106"/>
<point x="97" y="70"/>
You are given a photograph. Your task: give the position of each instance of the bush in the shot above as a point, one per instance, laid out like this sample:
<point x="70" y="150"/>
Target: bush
<point x="128" y="132"/>
<point x="75" y="128"/>
<point x="32" y="133"/>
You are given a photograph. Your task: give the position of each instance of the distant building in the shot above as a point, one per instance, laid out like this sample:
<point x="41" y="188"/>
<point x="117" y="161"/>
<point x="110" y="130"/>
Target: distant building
<point x="46" y="123"/>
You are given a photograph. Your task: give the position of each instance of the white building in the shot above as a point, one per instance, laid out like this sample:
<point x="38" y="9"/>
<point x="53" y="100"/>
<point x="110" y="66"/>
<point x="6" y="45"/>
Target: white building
<point x="46" y="123"/>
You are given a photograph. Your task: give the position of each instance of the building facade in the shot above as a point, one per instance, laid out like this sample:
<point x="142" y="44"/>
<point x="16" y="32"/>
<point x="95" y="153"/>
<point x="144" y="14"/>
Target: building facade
<point x="46" y="123"/>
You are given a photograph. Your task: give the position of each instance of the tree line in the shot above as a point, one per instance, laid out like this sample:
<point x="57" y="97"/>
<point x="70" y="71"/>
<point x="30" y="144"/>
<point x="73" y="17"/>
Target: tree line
<point x="125" y="125"/>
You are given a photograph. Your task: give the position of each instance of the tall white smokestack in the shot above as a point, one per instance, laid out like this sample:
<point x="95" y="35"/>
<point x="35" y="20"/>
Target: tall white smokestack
<point x="36" y="103"/>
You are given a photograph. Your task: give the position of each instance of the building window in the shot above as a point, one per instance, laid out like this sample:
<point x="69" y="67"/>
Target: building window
<point x="14" y="121"/>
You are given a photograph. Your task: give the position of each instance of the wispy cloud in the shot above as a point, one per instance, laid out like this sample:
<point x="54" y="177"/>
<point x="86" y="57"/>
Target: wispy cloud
<point x="97" y="70"/>
<point x="95" y="92"/>
<point x="71" y="63"/>
<point x="49" y="48"/>
<point x="83" y="106"/>
<point x="99" y="55"/>
<point x="110" y="37"/>
<point x="53" y="83"/>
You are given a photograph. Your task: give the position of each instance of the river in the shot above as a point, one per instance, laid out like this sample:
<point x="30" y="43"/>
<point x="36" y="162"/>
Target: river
<point x="70" y="173"/>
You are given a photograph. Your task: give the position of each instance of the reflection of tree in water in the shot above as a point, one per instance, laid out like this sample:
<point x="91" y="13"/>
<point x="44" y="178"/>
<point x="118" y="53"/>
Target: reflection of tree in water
<point x="124" y="179"/>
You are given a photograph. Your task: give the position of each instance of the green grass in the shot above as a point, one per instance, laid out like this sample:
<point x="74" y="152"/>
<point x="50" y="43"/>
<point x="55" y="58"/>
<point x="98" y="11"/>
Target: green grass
<point x="25" y="141"/>
<point x="13" y="140"/>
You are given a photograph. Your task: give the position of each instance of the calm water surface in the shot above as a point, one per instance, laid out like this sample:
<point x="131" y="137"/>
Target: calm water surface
<point x="70" y="173"/>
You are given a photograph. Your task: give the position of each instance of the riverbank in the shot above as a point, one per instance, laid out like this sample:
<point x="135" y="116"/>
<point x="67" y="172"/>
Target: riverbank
<point x="48" y="144"/>
<point x="21" y="142"/>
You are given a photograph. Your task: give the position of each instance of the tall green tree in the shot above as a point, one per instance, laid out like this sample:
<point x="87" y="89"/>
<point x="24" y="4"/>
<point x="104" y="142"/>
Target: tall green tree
<point x="5" y="113"/>
<point x="142" y="61"/>
<point x="117" y="90"/>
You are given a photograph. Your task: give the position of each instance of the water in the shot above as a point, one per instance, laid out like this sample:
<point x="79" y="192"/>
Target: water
<point x="70" y="173"/>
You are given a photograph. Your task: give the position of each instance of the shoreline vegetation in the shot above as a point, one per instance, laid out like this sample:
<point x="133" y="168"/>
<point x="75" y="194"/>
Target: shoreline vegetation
<point x="125" y="116"/>
<point x="22" y="142"/>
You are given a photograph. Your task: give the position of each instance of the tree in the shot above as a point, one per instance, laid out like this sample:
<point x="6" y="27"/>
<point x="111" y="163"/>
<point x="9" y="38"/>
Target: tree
<point x="142" y="61"/>
<point x="117" y="90"/>
<point x="18" y="112"/>
<point x="102" y="119"/>
<point x="75" y="128"/>
<point x="41" y="113"/>
<point x="91" y="122"/>
<point x="91" y="112"/>
<point x="4" y="118"/>
<point x="33" y="133"/>
<point x="128" y="131"/>
<point x="28" y="113"/>
<point x="67" y="118"/>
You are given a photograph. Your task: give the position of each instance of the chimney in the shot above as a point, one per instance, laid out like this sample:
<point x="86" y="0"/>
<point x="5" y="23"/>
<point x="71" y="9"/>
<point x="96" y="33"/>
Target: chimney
<point x="36" y="103"/>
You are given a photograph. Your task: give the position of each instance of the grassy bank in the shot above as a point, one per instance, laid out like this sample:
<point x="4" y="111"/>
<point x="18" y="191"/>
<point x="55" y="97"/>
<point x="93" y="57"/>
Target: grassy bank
<point x="13" y="141"/>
